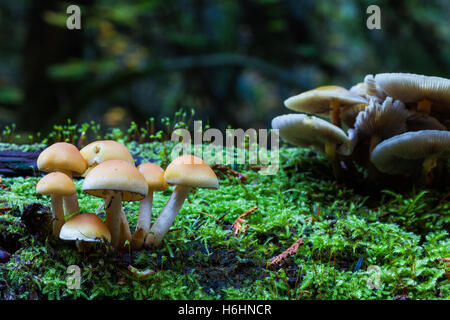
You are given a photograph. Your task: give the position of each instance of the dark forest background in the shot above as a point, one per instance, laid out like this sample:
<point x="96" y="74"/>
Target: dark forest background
<point x="234" y="62"/>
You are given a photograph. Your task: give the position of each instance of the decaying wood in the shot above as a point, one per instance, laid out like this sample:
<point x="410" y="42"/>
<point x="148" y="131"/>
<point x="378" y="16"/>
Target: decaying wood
<point x="18" y="163"/>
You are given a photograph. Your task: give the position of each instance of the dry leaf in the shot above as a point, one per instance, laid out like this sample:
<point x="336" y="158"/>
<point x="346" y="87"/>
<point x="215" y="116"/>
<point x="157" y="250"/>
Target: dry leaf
<point x="290" y="251"/>
<point x="237" y="225"/>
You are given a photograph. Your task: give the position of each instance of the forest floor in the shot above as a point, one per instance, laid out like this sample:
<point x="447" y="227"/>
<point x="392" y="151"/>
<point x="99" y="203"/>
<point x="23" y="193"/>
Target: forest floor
<point x="354" y="244"/>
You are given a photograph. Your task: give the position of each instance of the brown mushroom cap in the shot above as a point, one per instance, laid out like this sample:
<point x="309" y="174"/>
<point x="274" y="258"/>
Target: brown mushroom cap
<point x="191" y="171"/>
<point x="99" y="151"/>
<point x="116" y="175"/>
<point x="317" y="101"/>
<point x="154" y="175"/>
<point x="85" y="227"/>
<point x="409" y="87"/>
<point x="406" y="152"/>
<point x="311" y="132"/>
<point x="56" y="183"/>
<point x="61" y="156"/>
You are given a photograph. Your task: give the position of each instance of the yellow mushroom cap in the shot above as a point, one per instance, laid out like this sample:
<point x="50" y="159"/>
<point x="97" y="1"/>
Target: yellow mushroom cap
<point x="154" y="175"/>
<point x="116" y="175"/>
<point x="192" y="171"/>
<point x="317" y="101"/>
<point x="85" y="227"/>
<point x="61" y="156"/>
<point x="409" y="87"/>
<point x="56" y="183"/>
<point x="102" y="150"/>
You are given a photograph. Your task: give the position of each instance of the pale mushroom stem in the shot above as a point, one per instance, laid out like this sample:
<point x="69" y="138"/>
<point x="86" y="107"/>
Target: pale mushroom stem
<point x="71" y="205"/>
<point x="144" y="221"/>
<point x="125" y="233"/>
<point x="335" y="112"/>
<point x="58" y="214"/>
<point x="330" y="151"/>
<point x="167" y="216"/>
<point x="70" y="202"/>
<point x="113" y="205"/>
<point x="427" y="169"/>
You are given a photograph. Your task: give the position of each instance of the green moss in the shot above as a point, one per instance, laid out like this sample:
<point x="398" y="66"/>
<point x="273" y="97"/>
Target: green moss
<point x="345" y="232"/>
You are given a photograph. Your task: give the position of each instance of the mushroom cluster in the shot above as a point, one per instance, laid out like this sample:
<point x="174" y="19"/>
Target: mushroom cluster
<point x="110" y="173"/>
<point x="390" y="124"/>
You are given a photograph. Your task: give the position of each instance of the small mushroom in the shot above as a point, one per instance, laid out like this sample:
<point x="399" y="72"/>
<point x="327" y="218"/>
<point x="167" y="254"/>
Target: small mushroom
<point x="85" y="228"/>
<point x="373" y="90"/>
<point x="425" y="91"/>
<point x="185" y="172"/>
<point x="325" y="101"/>
<point x="102" y="150"/>
<point x="379" y="122"/>
<point x="63" y="157"/>
<point x="99" y="151"/>
<point x="56" y="185"/>
<point x="115" y="181"/>
<point x="314" y="133"/>
<point x="408" y="152"/>
<point x="154" y="175"/>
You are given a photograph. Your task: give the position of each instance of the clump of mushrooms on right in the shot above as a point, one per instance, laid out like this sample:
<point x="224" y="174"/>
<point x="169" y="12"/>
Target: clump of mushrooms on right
<point x="390" y="124"/>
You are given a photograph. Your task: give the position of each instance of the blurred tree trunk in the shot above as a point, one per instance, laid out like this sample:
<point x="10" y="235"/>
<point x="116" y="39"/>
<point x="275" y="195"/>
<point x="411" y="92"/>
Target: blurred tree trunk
<point x="45" y="99"/>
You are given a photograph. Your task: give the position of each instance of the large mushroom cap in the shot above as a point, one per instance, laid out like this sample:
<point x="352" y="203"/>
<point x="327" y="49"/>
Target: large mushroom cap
<point x="311" y="132"/>
<point x="409" y="87"/>
<point x="317" y="101"/>
<point x="99" y="151"/>
<point x="189" y="170"/>
<point x="116" y="175"/>
<point x="85" y="227"/>
<point x="154" y="175"/>
<point x="56" y="183"/>
<point x="406" y="152"/>
<point x="61" y="156"/>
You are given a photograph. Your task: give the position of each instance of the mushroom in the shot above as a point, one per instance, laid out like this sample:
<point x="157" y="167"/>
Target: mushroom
<point x="326" y="101"/>
<point x="373" y="90"/>
<point x="381" y="121"/>
<point x="56" y="185"/>
<point x="154" y="175"/>
<point x="99" y="151"/>
<point x="312" y="132"/>
<point x="63" y="157"/>
<point x="85" y="228"/>
<point x="407" y="152"/>
<point x="115" y="181"/>
<point x="185" y="172"/>
<point x="425" y="91"/>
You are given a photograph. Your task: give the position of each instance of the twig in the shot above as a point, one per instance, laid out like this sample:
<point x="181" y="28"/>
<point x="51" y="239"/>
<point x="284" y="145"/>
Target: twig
<point x="209" y="215"/>
<point x="237" y="225"/>
<point x="290" y="251"/>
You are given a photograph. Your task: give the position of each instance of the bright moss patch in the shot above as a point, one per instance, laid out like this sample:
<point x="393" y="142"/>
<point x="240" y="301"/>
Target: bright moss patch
<point x="345" y="230"/>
